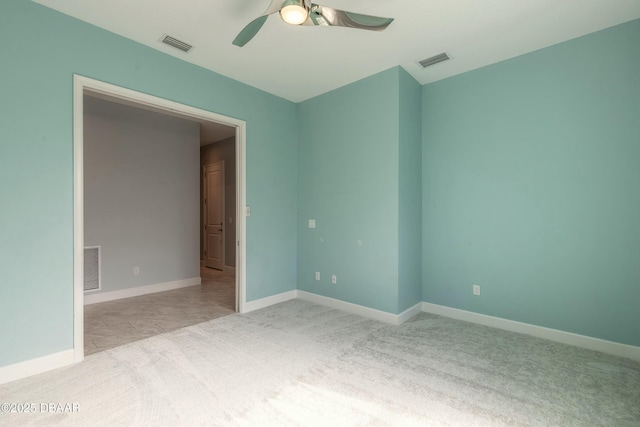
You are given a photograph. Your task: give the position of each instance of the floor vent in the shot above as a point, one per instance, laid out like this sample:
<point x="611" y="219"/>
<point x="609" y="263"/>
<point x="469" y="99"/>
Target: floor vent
<point x="92" y="268"/>
<point x="178" y="44"/>
<point x="433" y="60"/>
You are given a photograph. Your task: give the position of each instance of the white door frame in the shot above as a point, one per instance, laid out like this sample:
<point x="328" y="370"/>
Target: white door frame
<point x="82" y="84"/>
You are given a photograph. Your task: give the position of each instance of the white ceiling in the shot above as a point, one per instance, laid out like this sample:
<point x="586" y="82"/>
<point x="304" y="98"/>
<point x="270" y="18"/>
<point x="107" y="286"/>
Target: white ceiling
<point x="298" y="63"/>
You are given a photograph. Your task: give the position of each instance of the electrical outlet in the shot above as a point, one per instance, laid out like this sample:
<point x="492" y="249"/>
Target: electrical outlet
<point x="317" y="275"/>
<point x="476" y="289"/>
<point x="136" y="271"/>
<point x="334" y="279"/>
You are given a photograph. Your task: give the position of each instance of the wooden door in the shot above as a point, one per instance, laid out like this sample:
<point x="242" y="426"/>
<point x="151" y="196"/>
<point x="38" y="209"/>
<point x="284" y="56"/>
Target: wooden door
<point x="214" y="216"/>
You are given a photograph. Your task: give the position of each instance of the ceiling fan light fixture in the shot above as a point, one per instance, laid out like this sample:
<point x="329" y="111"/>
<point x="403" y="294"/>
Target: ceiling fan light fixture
<point x="294" y="12"/>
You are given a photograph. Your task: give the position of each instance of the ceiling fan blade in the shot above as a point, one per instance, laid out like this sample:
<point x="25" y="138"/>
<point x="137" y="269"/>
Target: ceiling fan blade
<point x="249" y="31"/>
<point x="330" y="17"/>
<point x="254" y="26"/>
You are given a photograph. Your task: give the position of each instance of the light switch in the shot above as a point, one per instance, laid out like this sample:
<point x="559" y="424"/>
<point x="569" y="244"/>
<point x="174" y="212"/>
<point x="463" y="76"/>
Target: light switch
<point x="312" y="223"/>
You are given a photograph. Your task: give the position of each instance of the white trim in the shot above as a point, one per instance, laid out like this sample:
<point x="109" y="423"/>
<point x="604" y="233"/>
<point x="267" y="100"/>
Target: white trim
<point x="82" y="84"/>
<point x="609" y="347"/>
<point x="268" y="301"/>
<point x="360" y="310"/>
<point x="140" y="290"/>
<point x="36" y="366"/>
<point x="241" y="218"/>
<point x="203" y="217"/>
<point x="78" y="219"/>
<point x="409" y="313"/>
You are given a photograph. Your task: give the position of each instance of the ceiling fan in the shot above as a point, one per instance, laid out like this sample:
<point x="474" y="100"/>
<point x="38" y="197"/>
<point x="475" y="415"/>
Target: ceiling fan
<point x="303" y="12"/>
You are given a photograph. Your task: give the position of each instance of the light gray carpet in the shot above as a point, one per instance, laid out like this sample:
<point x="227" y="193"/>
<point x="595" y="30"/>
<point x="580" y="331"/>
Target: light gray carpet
<point x="298" y="363"/>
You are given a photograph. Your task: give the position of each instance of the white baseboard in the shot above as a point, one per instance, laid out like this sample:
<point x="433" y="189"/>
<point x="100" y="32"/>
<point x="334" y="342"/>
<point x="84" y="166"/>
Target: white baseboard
<point x="409" y="313"/>
<point x="360" y="310"/>
<point x="140" y="290"/>
<point x="609" y="347"/>
<point x="35" y="366"/>
<point x="266" y="302"/>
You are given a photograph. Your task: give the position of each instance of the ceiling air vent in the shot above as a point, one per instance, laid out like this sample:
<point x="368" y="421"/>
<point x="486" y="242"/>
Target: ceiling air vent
<point x="178" y="44"/>
<point x="433" y="60"/>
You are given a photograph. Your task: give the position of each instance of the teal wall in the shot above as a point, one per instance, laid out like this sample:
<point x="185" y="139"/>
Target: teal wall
<point x="531" y="173"/>
<point x="36" y="165"/>
<point x="348" y="183"/>
<point x="360" y="179"/>
<point x="409" y="192"/>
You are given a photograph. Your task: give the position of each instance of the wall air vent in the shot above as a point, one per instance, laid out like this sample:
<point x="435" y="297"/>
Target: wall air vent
<point x="433" y="60"/>
<point x="92" y="268"/>
<point x="178" y="44"/>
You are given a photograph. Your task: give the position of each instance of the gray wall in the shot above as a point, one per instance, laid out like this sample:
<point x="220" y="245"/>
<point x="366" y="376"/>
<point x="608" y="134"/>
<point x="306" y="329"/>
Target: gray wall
<point x="141" y="191"/>
<point x="224" y="150"/>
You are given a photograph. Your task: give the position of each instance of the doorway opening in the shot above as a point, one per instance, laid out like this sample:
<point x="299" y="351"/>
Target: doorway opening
<point x="217" y="203"/>
<point x="86" y="86"/>
<point x="218" y="213"/>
